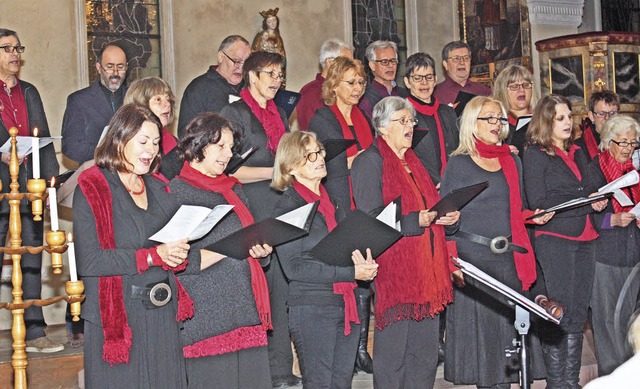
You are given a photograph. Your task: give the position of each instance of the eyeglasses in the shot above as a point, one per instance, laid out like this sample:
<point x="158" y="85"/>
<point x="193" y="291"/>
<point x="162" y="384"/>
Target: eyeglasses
<point x="235" y="62"/>
<point x="633" y="143"/>
<point x="313" y="155"/>
<point x="459" y="58"/>
<point x="495" y="120"/>
<point x="11" y="49"/>
<point x="273" y="74"/>
<point x="387" y="62"/>
<point x="515" y="87"/>
<point x="111" y="68"/>
<point x="419" y="78"/>
<point x="353" y="83"/>
<point x="406" y="120"/>
<point x="604" y="114"/>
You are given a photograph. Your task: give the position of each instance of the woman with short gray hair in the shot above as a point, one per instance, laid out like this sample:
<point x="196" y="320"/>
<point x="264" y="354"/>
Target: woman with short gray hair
<point x="618" y="247"/>
<point x="413" y="285"/>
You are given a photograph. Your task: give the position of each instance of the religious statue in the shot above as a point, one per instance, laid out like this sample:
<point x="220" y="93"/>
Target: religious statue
<point x="269" y="39"/>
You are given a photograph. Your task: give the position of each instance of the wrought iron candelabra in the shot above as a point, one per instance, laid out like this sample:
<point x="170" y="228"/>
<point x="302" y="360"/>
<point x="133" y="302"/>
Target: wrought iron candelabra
<point x="55" y="246"/>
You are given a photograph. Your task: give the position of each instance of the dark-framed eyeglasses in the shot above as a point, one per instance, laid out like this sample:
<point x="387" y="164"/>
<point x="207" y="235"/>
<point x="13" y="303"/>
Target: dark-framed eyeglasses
<point x="634" y="144"/>
<point x="495" y="120"/>
<point x="425" y="77"/>
<point x="352" y="83"/>
<point x="10" y="49"/>
<point x="459" y="58"/>
<point x="606" y="115"/>
<point x="275" y="75"/>
<point x="235" y="61"/>
<point x="111" y="68"/>
<point x="406" y="120"/>
<point x="387" y="62"/>
<point x="523" y="85"/>
<point x="312" y="156"/>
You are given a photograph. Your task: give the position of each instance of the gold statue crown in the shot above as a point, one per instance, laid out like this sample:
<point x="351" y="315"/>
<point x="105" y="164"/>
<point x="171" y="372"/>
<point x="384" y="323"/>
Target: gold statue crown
<point x="268" y="13"/>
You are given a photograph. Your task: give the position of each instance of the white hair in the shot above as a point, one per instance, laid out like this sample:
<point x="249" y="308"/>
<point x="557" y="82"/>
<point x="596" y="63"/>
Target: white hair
<point x="331" y="49"/>
<point x="379" y="45"/>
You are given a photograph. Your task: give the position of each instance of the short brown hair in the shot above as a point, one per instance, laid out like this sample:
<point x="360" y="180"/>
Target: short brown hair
<point x="259" y="60"/>
<point x="609" y="97"/>
<point x="541" y="125"/>
<point x="204" y="130"/>
<point x="292" y="151"/>
<point x="124" y="125"/>
<point x="336" y="72"/>
<point x="142" y="90"/>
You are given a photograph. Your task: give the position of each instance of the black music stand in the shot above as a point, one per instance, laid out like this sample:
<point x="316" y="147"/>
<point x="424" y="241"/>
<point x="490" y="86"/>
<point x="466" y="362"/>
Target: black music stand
<point x="523" y="307"/>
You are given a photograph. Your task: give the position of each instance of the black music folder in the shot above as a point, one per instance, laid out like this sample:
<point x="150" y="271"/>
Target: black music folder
<point x="458" y="198"/>
<point x="238" y="159"/>
<point x="287" y="100"/>
<point x="358" y="231"/>
<point x="336" y="146"/>
<point x="462" y="100"/>
<point x="271" y="231"/>
<point x="571" y="204"/>
<point x="418" y="135"/>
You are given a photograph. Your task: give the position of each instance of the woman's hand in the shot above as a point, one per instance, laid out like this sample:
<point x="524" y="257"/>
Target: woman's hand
<point x="174" y="253"/>
<point x="542" y="219"/>
<point x="598" y="206"/>
<point x="260" y="251"/>
<point x="366" y="269"/>
<point x="458" y="278"/>
<point x="622" y="219"/>
<point x="449" y="219"/>
<point x="426" y="217"/>
<point x="514" y="149"/>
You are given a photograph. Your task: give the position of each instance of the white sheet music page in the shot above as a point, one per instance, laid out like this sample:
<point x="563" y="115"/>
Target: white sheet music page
<point x="298" y="217"/>
<point x="192" y="222"/>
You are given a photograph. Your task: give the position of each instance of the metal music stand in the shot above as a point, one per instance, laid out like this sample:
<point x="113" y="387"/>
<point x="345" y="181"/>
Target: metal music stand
<point x="523" y="306"/>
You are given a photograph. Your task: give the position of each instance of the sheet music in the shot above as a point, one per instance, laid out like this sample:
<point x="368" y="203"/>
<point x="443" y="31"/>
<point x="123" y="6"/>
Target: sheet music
<point x="523" y="121"/>
<point x="233" y="98"/>
<point x="192" y="222"/>
<point x="636" y="211"/>
<point x="24" y="144"/>
<point x="614" y="186"/>
<point x="388" y="215"/>
<point x="298" y="217"/>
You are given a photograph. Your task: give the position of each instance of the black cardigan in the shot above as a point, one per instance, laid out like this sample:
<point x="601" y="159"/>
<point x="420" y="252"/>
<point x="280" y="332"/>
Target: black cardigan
<point x="310" y="280"/>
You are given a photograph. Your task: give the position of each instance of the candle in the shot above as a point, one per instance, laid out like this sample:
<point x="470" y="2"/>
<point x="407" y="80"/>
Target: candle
<point x="73" y="272"/>
<point x="53" y="204"/>
<point x="35" y="151"/>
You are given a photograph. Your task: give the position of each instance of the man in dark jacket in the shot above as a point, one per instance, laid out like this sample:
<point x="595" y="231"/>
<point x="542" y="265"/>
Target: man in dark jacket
<point x="21" y="107"/>
<point x="89" y="110"/>
<point x="219" y="86"/>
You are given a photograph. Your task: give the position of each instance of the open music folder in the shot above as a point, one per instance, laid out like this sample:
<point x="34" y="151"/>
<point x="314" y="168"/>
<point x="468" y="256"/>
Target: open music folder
<point x="458" y="198"/>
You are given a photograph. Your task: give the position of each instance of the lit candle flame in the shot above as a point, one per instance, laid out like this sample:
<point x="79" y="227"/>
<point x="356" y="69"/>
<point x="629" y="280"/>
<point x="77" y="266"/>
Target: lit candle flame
<point x="53" y="182"/>
<point x="70" y="237"/>
<point x="35" y="131"/>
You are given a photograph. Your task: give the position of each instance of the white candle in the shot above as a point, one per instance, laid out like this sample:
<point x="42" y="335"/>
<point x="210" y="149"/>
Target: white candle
<point x="53" y="205"/>
<point x="73" y="272"/>
<point x="35" y="152"/>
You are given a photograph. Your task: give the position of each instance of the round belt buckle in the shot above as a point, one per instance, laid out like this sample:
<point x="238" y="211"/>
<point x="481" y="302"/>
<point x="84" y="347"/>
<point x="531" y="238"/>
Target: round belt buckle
<point x="499" y="244"/>
<point x="160" y="294"/>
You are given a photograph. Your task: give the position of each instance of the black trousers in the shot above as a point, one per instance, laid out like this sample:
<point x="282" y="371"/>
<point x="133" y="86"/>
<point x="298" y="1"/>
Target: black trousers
<point x="568" y="268"/>
<point x="31" y="265"/>
<point x="325" y="353"/>
<point x="280" y="354"/>
<point x="405" y="354"/>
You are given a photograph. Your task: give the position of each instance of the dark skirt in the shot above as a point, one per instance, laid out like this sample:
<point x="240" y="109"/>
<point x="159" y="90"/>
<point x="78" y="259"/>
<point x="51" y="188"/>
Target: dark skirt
<point x="244" y="369"/>
<point x="156" y="359"/>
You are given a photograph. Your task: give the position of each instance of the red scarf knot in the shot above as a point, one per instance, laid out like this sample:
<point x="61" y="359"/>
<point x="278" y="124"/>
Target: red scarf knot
<point x="269" y="118"/>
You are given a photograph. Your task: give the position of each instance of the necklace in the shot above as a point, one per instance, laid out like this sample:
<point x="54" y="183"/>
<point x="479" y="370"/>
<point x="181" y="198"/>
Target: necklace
<point x="141" y="191"/>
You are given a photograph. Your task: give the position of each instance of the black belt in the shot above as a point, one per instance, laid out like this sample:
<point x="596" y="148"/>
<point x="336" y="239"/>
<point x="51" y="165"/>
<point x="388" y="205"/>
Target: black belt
<point x="153" y="295"/>
<point x="499" y="244"/>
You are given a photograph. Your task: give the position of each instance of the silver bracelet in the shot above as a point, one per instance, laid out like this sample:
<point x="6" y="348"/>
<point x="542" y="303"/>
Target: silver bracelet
<point x="149" y="260"/>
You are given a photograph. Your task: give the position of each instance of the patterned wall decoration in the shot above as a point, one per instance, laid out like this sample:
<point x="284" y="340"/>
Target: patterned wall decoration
<point x="627" y="76"/>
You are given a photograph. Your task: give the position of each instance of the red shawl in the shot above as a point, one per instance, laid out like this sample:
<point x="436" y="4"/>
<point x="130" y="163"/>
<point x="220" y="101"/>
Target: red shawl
<point x="224" y="184"/>
<point x="168" y="141"/>
<point x="512" y="120"/>
<point x="117" y="333"/>
<point x="269" y="118"/>
<point x="613" y="170"/>
<point x="525" y="263"/>
<point x="433" y="112"/>
<point x="360" y="126"/>
<point x="589" y="138"/>
<point x="413" y="280"/>
<point x="327" y="210"/>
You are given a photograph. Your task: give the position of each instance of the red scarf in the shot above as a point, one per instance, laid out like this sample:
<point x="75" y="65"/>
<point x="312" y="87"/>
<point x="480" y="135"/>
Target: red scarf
<point x="360" y="126"/>
<point x="269" y="118"/>
<point x="433" y="112"/>
<point x="224" y="184"/>
<point x="168" y="141"/>
<point x="327" y="210"/>
<point x="512" y="120"/>
<point x="613" y="170"/>
<point x="569" y="159"/>
<point x="413" y="280"/>
<point x="115" y="326"/>
<point x="589" y="138"/>
<point x="525" y="263"/>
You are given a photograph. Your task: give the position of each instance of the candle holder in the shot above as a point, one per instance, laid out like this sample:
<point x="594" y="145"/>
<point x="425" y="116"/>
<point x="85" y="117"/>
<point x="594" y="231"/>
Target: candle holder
<point x="56" y="240"/>
<point x="56" y="246"/>
<point x="36" y="187"/>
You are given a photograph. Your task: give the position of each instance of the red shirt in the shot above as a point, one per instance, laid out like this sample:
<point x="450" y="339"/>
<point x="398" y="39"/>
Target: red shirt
<point x="447" y="91"/>
<point x="13" y="109"/>
<point x="310" y="101"/>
